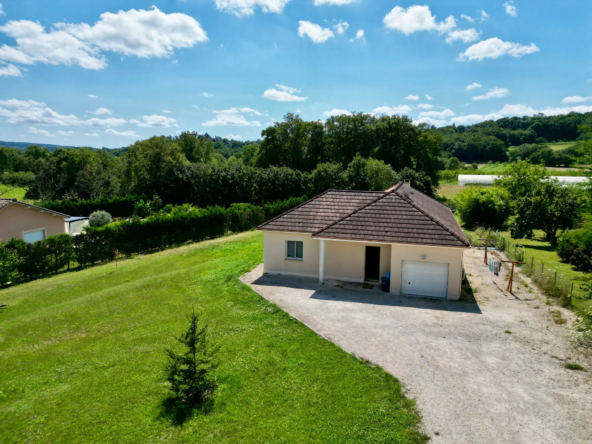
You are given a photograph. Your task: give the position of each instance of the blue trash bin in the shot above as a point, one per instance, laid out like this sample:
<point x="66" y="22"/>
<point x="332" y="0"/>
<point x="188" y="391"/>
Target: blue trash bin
<point x="386" y="284"/>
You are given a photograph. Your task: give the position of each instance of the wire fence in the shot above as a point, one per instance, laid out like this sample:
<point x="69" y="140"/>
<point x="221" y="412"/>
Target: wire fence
<point x="548" y="279"/>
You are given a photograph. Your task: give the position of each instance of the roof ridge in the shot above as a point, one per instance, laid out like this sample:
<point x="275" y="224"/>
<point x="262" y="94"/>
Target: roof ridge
<point x="414" y="205"/>
<point x="16" y="201"/>
<point x="296" y="207"/>
<point x="395" y="188"/>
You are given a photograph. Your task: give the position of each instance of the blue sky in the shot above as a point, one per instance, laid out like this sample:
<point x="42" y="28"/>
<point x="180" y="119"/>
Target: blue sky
<point x="108" y="73"/>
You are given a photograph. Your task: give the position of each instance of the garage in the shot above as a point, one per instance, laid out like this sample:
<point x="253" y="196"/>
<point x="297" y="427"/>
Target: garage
<point x="425" y="279"/>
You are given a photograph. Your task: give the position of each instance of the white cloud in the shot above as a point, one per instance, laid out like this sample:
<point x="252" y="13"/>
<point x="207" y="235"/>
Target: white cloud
<point x="37" y="113"/>
<point x="494" y="93"/>
<point x="131" y="134"/>
<point x="9" y="70"/>
<point x="359" y="36"/>
<point x="316" y="33"/>
<point x="102" y="123"/>
<point x="334" y="2"/>
<point x="482" y="17"/>
<point x="166" y="111"/>
<point x="92" y="96"/>
<point x="233" y="137"/>
<point x="336" y="112"/>
<point x="207" y="94"/>
<point x="519" y="110"/>
<point x="437" y="114"/>
<point x="244" y="8"/>
<point x="1" y="10"/>
<point x="138" y="33"/>
<point x="100" y="111"/>
<point x="416" y="18"/>
<point x="412" y="97"/>
<point x="510" y="9"/>
<point x="233" y="117"/>
<point x="65" y="133"/>
<point x="473" y="86"/>
<point x="391" y="110"/>
<point x="494" y="48"/>
<point x="466" y="35"/>
<point x="429" y="97"/>
<point x="430" y="121"/>
<point x="92" y="134"/>
<point x="155" y="121"/>
<point x="40" y="131"/>
<point x="341" y="27"/>
<point x="425" y="106"/>
<point x="576" y="99"/>
<point x="283" y="94"/>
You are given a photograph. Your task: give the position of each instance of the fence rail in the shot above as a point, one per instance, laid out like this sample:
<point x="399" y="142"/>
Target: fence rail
<point x="550" y="281"/>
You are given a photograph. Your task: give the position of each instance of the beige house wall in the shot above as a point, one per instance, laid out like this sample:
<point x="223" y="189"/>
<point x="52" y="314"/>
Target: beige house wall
<point x="451" y="256"/>
<point x="274" y="254"/>
<point x="16" y="219"/>
<point x="346" y="261"/>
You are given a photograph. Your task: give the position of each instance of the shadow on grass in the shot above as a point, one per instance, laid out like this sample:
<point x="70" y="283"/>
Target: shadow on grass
<point x="3" y="308"/>
<point x="178" y="411"/>
<point x="539" y="247"/>
<point x="466" y="292"/>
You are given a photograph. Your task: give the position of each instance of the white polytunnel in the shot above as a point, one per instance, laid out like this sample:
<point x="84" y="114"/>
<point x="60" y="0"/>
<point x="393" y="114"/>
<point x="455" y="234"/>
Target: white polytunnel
<point x="487" y="179"/>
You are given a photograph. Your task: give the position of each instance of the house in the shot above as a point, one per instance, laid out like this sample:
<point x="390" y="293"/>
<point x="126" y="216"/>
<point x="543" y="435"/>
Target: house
<point x="360" y="236"/>
<point x="32" y="223"/>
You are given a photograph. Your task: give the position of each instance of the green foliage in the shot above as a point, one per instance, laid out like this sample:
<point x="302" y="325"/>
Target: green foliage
<point x="191" y="373"/>
<point x="99" y="219"/>
<point x="486" y="207"/>
<point x="549" y="207"/>
<point x="116" y="206"/>
<point x="575" y="247"/>
<point x="582" y="328"/>
<point x="9" y="264"/>
<point x="521" y="178"/>
<point x="327" y="176"/>
<point x="196" y="149"/>
<point x="173" y="225"/>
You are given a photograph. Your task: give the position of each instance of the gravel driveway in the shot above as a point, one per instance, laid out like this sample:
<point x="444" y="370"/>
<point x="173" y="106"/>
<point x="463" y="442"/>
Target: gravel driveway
<point x="488" y="371"/>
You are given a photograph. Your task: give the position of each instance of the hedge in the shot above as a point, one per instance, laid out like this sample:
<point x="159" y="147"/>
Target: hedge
<point x="116" y="207"/>
<point x="174" y="225"/>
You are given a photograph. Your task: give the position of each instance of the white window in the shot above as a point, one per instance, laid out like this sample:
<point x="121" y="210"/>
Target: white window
<point x="34" y="236"/>
<point x="294" y="250"/>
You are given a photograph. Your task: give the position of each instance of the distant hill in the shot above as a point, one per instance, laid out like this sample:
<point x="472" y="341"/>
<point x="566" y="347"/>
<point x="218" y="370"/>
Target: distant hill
<point x="25" y="145"/>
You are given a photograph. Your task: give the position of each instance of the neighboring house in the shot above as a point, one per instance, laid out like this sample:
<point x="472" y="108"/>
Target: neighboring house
<point x="360" y="236"/>
<point x="32" y="223"/>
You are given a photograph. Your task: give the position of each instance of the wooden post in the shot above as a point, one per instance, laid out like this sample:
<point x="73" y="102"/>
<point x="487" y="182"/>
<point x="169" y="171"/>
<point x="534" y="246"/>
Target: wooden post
<point x="512" y="274"/>
<point x="486" y="245"/>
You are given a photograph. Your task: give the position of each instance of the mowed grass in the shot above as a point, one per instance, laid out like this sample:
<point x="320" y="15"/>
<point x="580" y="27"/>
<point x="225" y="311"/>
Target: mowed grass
<point x="557" y="146"/>
<point x="81" y="360"/>
<point x="449" y="191"/>
<point x="16" y="193"/>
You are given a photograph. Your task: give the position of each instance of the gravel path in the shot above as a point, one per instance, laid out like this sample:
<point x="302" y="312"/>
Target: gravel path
<point x="490" y="371"/>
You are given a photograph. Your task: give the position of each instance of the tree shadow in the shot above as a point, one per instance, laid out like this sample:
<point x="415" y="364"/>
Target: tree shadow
<point x="539" y="247"/>
<point x="178" y="411"/>
<point x="3" y="308"/>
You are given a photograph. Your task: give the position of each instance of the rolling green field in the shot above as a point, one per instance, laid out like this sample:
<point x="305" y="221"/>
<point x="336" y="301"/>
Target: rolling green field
<point x="557" y="146"/>
<point x="81" y="360"/>
<point x="17" y="193"/>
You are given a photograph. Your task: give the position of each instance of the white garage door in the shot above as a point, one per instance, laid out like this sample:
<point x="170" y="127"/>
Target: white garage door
<point x="425" y="279"/>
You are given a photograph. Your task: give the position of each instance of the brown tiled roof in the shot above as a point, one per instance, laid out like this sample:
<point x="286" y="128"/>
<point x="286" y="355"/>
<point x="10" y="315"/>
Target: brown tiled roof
<point x="6" y="202"/>
<point x="375" y="217"/>
<point x="320" y="211"/>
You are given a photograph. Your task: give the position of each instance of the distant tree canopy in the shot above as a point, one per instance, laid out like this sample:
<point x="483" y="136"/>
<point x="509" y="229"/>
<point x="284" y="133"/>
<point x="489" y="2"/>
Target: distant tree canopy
<point x="490" y="140"/>
<point x="395" y="140"/>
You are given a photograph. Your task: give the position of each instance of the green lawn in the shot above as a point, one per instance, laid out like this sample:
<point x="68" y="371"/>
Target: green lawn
<point x="17" y="193"/>
<point x="560" y="145"/>
<point x="81" y="360"/>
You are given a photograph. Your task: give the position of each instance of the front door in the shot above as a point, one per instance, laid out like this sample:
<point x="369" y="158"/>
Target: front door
<point x="372" y="272"/>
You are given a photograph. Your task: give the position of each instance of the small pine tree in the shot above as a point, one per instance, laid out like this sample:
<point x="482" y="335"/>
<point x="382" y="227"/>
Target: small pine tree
<point x="191" y="373"/>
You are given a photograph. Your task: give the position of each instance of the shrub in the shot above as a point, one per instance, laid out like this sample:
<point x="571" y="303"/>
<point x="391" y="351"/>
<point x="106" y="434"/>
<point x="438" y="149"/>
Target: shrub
<point x="190" y="373"/>
<point x="9" y="262"/>
<point x="99" y="219"/>
<point x="483" y="206"/>
<point x="142" y="209"/>
<point x="583" y="327"/>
